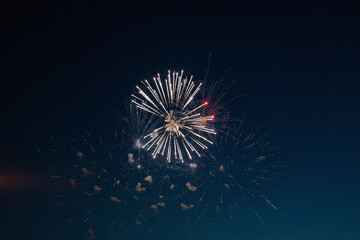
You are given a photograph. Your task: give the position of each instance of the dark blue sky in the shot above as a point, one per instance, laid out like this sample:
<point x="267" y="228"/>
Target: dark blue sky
<point x="296" y="68"/>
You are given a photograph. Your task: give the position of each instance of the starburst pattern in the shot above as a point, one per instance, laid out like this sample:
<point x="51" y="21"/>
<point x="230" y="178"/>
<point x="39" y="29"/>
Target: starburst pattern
<point x="182" y="126"/>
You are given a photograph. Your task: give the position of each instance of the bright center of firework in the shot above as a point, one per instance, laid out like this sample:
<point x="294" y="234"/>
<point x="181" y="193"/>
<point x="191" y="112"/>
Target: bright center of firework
<point x="173" y="123"/>
<point x="184" y="128"/>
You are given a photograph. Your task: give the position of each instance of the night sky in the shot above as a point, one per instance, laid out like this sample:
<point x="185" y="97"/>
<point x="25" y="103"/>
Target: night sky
<point x="65" y="65"/>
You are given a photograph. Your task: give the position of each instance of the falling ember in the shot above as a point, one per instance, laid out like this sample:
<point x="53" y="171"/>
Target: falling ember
<point x="131" y="158"/>
<point x="97" y="189"/>
<point x="190" y="187"/>
<point x="139" y="188"/>
<point x="221" y="168"/>
<point x="80" y="155"/>
<point x="115" y="199"/>
<point x="154" y="207"/>
<point x="193" y="165"/>
<point x="72" y="182"/>
<point x="185" y="207"/>
<point x="148" y="179"/>
<point x="161" y="204"/>
<point x="137" y="143"/>
<point x="183" y="128"/>
<point x="91" y="233"/>
<point x="85" y="171"/>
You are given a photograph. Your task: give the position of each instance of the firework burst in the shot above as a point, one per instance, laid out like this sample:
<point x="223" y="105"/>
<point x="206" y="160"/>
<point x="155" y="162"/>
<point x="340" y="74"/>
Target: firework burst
<point x="182" y="126"/>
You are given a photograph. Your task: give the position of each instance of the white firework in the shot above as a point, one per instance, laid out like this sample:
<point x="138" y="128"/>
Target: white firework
<point x="181" y="128"/>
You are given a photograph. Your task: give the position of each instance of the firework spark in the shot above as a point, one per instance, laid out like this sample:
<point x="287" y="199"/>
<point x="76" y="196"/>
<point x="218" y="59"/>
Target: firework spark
<point x="182" y="127"/>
